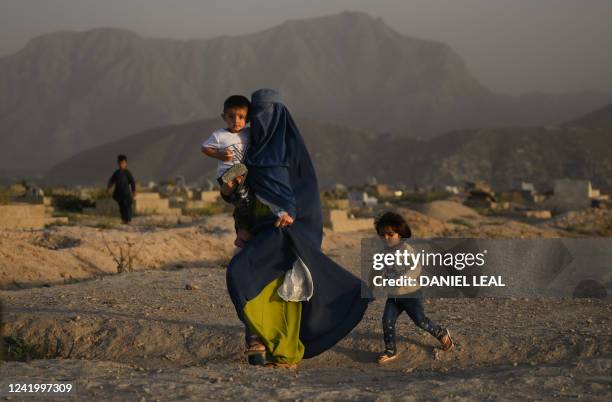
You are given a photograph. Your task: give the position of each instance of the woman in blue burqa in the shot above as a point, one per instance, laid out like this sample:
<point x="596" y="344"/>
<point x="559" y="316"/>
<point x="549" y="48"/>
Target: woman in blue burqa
<point x="295" y="302"/>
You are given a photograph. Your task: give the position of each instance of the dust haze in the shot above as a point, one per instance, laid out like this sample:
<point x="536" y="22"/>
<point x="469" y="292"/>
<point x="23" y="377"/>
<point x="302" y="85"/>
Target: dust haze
<point x="511" y="46"/>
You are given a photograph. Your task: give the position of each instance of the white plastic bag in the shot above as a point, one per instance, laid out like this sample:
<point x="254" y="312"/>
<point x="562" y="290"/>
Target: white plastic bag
<point x="297" y="285"/>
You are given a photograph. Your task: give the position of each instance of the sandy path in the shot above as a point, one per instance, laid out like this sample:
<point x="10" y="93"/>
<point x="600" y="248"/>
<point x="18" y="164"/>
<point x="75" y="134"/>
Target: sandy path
<point x="144" y="336"/>
<point x="148" y="321"/>
<point x="587" y="379"/>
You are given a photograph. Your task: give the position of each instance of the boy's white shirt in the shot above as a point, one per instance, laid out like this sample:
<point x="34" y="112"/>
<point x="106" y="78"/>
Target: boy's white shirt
<point x="223" y="139"/>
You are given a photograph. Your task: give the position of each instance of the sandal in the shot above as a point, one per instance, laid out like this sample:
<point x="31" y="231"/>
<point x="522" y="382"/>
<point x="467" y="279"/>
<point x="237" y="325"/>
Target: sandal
<point x="256" y="353"/>
<point x="387" y="356"/>
<point x="446" y="341"/>
<point x="236" y="170"/>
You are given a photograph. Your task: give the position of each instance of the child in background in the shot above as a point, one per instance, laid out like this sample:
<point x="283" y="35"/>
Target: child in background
<point x="229" y="146"/>
<point x="125" y="189"/>
<point x="392" y="228"/>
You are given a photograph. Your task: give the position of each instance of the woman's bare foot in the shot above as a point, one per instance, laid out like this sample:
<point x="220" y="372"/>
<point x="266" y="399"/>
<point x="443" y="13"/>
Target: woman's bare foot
<point x="242" y="238"/>
<point x="281" y="365"/>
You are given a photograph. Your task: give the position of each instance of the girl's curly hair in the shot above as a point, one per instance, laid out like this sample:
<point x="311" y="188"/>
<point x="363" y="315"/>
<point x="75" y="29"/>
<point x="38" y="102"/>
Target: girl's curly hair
<point x="395" y="221"/>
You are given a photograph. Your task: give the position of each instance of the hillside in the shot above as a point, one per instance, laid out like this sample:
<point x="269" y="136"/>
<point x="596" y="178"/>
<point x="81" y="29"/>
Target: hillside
<point x="69" y="91"/>
<point x="601" y="118"/>
<point x="349" y="156"/>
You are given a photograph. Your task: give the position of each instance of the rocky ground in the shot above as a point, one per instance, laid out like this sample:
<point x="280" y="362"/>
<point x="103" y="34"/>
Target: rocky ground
<point x="167" y="331"/>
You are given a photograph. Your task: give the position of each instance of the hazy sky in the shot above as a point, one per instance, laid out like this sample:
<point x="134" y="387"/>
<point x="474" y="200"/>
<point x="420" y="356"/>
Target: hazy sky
<point x="511" y="46"/>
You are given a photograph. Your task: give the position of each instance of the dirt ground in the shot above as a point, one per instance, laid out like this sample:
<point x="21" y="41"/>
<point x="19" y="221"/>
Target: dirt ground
<point x="168" y="331"/>
<point x="67" y="254"/>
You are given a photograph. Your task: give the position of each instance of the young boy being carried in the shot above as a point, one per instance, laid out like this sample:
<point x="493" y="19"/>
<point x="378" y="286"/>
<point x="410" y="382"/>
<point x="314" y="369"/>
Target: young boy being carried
<point x="392" y="228"/>
<point x="229" y="146"/>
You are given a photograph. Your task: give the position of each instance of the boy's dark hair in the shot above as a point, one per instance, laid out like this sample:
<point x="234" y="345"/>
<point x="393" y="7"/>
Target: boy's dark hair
<point x="395" y="221"/>
<point x="236" y="101"/>
<point x="121" y="158"/>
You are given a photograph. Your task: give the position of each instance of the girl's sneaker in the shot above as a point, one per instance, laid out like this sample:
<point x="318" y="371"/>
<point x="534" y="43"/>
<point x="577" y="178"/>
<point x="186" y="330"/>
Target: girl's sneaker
<point x="387" y="356"/>
<point x="446" y="341"/>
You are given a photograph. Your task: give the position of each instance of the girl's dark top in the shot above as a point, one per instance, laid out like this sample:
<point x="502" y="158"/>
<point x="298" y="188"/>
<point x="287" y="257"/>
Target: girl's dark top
<point x="124" y="183"/>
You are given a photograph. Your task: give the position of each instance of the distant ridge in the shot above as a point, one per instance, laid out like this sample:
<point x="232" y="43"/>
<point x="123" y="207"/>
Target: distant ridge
<point x="343" y="155"/>
<point x="601" y="118"/>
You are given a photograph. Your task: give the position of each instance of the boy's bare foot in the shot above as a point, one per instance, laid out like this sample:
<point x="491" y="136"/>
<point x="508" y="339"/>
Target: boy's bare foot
<point x="242" y="238"/>
<point x="228" y="188"/>
<point x="239" y="242"/>
<point x="387" y="356"/>
<point x="446" y="341"/>
<point x="243" y="235"/>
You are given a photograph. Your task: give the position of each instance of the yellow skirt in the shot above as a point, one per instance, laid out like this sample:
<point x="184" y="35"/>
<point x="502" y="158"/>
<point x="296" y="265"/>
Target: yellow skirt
<point x="277" y="322"/>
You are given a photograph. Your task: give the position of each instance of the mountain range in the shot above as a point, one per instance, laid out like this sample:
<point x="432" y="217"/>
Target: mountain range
<point x="66" y="92"/>
<point x="343" y="155"/>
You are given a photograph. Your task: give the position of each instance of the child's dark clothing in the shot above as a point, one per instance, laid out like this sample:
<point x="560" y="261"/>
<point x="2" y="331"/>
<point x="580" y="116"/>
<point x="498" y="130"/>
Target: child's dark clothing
<point x="242" y="200"/>
<point x="125" y="209"/>
<point x="413" y="306"/>
<point x="125" y="187"/>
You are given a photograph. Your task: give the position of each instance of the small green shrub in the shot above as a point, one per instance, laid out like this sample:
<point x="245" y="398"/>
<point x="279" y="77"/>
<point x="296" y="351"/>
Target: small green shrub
<point x="212" y="209"/>
<point x="99" y="194"/>
<point x="71" y="203"/>
<point x="19" y="350"/>
<point x="5" y="196"/>
<point x="105" y="225"/>
<point x="428" y="196"/>
<point x="461" y="221"/>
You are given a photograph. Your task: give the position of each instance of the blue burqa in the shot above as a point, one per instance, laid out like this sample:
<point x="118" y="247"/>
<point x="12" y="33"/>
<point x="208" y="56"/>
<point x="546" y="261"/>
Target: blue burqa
<point x="281" y="172"/>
